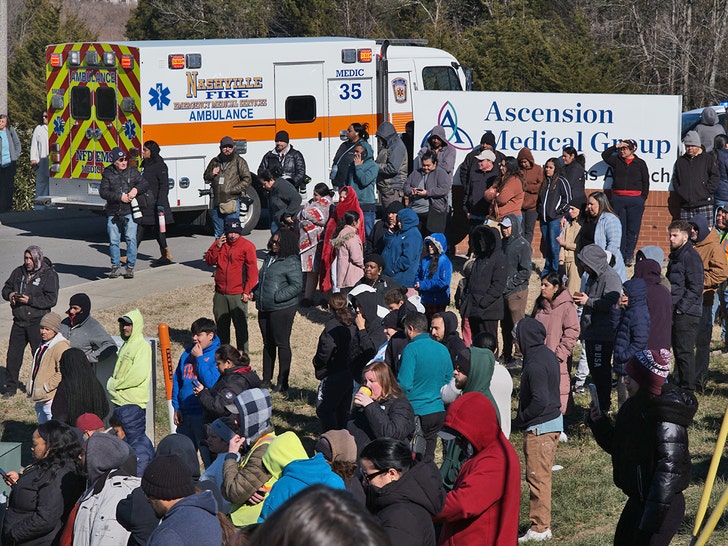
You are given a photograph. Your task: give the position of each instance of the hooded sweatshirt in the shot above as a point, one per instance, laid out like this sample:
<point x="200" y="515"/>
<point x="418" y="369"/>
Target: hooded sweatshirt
<point x="403" y="249"/>
<point x="709" y="128"/>
<point x="721" y="194"/>
<point x="129" y="383"/>
<point x="715" y="265"/>
<point x="633" y="325"/>
<point x="190" y="522"/>
<point x="435" y="287"/>
<point x="533" y="175"/>
<point x="452" y="340"/>
<point x="603" y="286"/>
<point x="191" y="369"/>
<point x="405" y="507"/>
<point x="483" y="295"/>
<point x="540" y="401"/>
<point x="659" y="304"/>
<point x="446" y="156"/>
<point x="392" y="160"/>
<point x="483" y="506"/>
<point x="518" y="258"/>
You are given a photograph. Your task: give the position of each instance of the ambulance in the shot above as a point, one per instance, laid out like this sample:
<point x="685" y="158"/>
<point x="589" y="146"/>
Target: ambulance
<point x="187" y="95"/>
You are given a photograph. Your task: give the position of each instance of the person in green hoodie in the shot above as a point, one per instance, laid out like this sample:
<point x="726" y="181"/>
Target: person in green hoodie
<point x="129" y="383"/>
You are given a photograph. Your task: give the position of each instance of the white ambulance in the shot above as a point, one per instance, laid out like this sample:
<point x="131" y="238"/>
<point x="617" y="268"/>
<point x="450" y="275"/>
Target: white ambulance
<point x="187" y="95"/>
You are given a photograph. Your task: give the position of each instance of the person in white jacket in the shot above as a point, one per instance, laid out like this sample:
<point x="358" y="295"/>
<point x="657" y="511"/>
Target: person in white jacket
<point x="39" y="157"/>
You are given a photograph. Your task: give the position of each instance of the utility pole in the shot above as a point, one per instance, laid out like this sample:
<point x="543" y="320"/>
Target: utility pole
<point x="4" y="56"/>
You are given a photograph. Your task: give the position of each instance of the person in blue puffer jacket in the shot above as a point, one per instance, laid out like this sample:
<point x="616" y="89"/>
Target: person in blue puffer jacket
<point x="130" y="423"/>
<point x="434" y="276"/>
<point x="632" y="319"/>
<point x="402" y="249"/>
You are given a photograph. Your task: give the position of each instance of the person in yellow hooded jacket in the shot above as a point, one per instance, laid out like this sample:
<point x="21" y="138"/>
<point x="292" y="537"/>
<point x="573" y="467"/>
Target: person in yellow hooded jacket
<point x="129" y="383"/>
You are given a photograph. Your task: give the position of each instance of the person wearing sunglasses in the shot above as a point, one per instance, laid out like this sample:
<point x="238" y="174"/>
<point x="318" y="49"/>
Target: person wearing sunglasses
<point x="120" y="186"/>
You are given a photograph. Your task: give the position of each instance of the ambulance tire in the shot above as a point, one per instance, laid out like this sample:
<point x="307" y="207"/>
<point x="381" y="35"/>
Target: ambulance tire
<point x="250" y="214"/>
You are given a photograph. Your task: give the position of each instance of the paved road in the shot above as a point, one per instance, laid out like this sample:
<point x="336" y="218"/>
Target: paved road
<point x="77" y="244"/>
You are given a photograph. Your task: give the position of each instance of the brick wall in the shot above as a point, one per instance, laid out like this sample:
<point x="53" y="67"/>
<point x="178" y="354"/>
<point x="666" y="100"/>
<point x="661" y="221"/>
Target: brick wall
<point x="653" y="232"/>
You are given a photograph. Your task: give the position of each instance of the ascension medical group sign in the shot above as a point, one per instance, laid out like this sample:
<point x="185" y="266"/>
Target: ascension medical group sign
<point x="548" y="122"/>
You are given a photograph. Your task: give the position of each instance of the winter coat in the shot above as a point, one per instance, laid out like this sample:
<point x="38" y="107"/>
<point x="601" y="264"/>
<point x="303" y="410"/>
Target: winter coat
<point x="649" y="448"/>
<point x="91" y="337"/>
<point x="425" y="367"/>
<point x="632" y="177"/>
<point x="43" y="386"/>
<point x="709" y="128"/>
<point x="311" y="223"/>
<point x="483" y="506"/>
<point x="659" y="304"/>
<point x="474" y="201"/>
<point x="343" y="158"/>
<point x="391" y="160"/>
<point x="280" y="281"/>
<point x="156" y="173"/>
<point x="190" y="522"/>
<point x="437" y="183"/>
<point x="721" y="192"/>
<point x="403" y="249"/>
<point x="236" y="266"/>
<point x="134" y="422"/>
<point x="434" y="288"/>
<point x="695" y="179"/>
<point x="483" y="295"/>
<point x="191" y="369"/>
<point x="539" y="401"/>
<point x="41" y="287"/>
<point x="129" y="382"/>
<point x="292" y="165"/>
<point x="608" y="235"/>
<point x="561" y="322"/>
<point x="517" y="251"/>
<point x="405" y="507"/>
<point x="236" y="174"/>
<point x="13" y="143"/>
<point x="633" y="325"/>
<point x="685" y="273"/>
<point x="114" y="183"/>
<point x="382" y="285"/>
<point x="446" y="155"/>
<point x="554" y="199"/>
<point x="297" y="476"/>
<point x="603" y="286"/>
<point x="284" y="201"/>
<point x="715" y="265"/>
<point x="349" y="257"/>
<point x="575" y="174"/>
<point x="232" y="382"/>
<point x="534" y="177"/>
<point x="363" y="178"/>
<point x="348" y="203"/>
<point x="510" y="197"/>
<point x="366" y="342"/>
<point x="452" y="340"/>
<point x="387" y="418"/>
<point x="40" y="503"/>
<point x="332" y="352"/>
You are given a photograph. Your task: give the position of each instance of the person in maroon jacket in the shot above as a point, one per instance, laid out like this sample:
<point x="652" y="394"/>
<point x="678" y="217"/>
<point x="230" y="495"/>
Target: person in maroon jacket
<point x="483" y="506"/>
<point x="236" y="275"/>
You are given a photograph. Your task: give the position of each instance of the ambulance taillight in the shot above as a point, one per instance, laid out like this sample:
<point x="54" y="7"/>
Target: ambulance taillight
<point x="56" y="60"/>
<point x="176" y="62"/>
<point x="364" y="55"/>
<point x="127" y="62"/>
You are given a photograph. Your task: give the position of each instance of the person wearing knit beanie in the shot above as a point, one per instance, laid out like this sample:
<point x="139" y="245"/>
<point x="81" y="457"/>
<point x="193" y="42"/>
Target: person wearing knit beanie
<point x="52" y="321"/>
<point x="45" y="375"/>
<point x="649" y="369"/>
<point x="167" y="478"/>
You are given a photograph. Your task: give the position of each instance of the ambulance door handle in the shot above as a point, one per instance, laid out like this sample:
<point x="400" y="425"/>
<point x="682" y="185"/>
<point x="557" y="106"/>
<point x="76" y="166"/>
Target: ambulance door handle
<point x="320" y="136"/>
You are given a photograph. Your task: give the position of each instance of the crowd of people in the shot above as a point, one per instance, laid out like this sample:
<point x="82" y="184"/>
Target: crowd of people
<point x="399" y="372"/>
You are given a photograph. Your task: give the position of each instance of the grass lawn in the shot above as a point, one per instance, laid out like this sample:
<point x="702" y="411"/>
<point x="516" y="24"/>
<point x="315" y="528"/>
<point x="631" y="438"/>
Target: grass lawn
<point x="586" y="504"/>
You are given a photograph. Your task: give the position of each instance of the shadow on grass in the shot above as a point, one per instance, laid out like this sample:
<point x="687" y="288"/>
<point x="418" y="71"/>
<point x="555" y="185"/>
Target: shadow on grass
<point x="315" y="314"/>
<point x="15" y="431"/>
<point x="289" y="411"/>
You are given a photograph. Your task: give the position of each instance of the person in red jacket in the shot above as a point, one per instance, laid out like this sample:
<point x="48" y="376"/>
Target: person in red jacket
<point x="236" y="274"/>
<point x="483" y="506"/>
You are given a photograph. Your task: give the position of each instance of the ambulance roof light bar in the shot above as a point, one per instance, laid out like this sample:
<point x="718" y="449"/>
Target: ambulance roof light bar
<point x="109" y="58"/>
<point x="74" y="57"/>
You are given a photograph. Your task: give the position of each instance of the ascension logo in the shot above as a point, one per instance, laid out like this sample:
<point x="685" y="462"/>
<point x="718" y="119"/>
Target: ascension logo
<point x="456" y="137"/>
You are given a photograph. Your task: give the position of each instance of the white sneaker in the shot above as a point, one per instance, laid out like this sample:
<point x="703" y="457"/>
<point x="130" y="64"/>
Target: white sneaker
<point x="563" y="437"/>
<point x="532" y="535"/>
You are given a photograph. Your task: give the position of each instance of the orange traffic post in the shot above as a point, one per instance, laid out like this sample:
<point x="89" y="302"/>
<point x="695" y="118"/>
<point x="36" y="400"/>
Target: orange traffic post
<point x="165" y="346"/>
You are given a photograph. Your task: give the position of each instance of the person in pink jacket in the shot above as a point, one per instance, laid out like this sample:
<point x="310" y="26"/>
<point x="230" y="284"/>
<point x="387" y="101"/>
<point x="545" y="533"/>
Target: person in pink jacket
<point x="349" y="261"/>
<point x="555" y="309"/>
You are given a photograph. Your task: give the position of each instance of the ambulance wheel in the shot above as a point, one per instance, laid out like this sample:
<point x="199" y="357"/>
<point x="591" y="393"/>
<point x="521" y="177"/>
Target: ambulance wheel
<point x="250" y="214"/>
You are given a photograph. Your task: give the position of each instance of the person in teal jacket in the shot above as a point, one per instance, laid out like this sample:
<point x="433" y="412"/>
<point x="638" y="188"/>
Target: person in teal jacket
<point x="363" y="178"/>
<point x="424" y="368"/>
<point x="402" y="250"/>
<point x="280" y="281"/>
<point x="129" y="383"/>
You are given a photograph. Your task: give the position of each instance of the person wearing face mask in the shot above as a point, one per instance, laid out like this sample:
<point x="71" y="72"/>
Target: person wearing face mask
<point x="85" y="332"/>
<point x="402" y="492"/>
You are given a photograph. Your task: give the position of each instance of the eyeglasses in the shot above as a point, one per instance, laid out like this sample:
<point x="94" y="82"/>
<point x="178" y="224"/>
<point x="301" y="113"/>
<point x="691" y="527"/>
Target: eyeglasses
<point x="370" y="477"/>
<point x="227" y="147"/>
<point x="275" y="242"/>
<point x="122" y="159"/>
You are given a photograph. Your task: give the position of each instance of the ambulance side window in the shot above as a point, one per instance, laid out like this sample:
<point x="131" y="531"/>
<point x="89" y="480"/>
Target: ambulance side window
<point x="440" y="78"/>
<point x="301" y="109"/>
<point x="81" y="103"/>
<point x="106" y="104"/>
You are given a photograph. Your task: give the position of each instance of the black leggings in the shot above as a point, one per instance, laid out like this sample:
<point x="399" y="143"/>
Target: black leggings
<point x="275" y="327"/>
<point x="628" y="531"/>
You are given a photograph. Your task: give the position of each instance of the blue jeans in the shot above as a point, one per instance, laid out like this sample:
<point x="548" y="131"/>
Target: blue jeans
<point x="549" y="231"/>
<point x="114" y="225"/>
<point x="218" y="220"/>
<point x="43" y="411"/>
<point x="630" y="209"/>
<point x="370" y="217"/>
<point x="702" y="344"/>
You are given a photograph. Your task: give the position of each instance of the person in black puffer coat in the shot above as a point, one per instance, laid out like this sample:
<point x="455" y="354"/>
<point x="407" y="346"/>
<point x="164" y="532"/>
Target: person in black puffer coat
<point x="236" y="375"/>
<point x="156" y="199"/>
<point x="650" y="454"/>
<point x="403" y="494"/>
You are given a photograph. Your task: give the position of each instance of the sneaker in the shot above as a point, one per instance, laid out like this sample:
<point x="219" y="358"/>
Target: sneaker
<point x="129" y="274"/>
<point x="115" y="272"/>
<point x="563" y="437"/>
<point x="9" y="394"/>
<point x="532" y="535"/>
